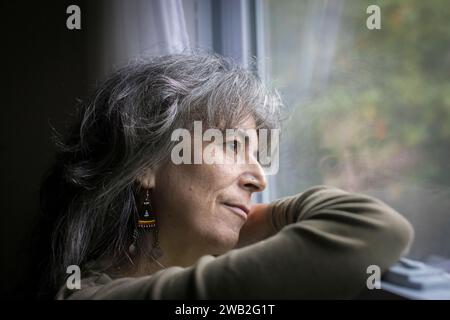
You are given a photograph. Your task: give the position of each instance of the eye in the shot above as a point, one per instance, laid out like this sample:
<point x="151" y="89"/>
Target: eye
<point x="233" y="145"/>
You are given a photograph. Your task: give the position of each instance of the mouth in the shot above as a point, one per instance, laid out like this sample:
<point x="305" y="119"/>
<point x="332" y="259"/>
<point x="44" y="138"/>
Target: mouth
<point x="238" y="209"/>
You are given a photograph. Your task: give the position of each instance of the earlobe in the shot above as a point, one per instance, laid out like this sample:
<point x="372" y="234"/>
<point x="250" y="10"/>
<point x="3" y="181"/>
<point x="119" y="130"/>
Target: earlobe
<point x="147" y="179"/>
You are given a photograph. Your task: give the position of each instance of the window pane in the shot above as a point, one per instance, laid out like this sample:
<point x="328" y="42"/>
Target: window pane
<point x="370" y="109"/>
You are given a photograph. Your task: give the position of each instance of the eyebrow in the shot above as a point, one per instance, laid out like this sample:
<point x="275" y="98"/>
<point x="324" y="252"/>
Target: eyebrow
<point x="241" y="133"/>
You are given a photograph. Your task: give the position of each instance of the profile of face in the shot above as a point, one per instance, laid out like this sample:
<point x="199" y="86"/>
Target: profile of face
<point x="201" y="208"/>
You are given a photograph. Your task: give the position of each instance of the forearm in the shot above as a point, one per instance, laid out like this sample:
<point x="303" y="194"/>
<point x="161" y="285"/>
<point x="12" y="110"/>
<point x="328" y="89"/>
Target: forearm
<point x="326" y="240"/>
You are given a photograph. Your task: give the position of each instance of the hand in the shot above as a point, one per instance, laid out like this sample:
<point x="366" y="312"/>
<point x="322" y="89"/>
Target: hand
<point x="257" y="227"/>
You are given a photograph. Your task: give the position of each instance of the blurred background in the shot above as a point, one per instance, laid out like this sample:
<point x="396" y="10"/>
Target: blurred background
<point x="370" y="109"/>
<point x="366" y="110"/>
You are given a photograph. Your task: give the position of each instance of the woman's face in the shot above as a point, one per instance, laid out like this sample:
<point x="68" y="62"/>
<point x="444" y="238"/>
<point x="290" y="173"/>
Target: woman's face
<point x="201" y="207"/>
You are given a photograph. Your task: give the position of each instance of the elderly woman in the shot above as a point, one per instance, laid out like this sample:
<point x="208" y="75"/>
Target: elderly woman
<point x="140" y="226"/>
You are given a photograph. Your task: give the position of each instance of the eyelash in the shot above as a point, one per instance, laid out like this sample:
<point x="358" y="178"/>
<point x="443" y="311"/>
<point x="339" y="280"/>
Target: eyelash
<point x="236" y="145"/>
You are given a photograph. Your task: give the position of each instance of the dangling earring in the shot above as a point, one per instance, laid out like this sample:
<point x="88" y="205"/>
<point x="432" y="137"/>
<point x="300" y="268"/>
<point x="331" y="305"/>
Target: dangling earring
<point x="147" y="220"/>
<point x="147" y="217"/>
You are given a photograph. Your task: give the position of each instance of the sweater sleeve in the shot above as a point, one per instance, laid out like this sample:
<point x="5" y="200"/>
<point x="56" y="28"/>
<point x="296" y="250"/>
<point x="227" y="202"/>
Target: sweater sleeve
<point x="325" y="240"/>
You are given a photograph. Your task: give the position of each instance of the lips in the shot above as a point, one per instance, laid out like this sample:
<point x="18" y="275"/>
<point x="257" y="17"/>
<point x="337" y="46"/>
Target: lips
<point x="239" y="209"/>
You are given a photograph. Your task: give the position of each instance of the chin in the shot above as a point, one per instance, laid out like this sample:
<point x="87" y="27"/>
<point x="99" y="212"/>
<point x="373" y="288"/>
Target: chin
<point x="221" y="243"/>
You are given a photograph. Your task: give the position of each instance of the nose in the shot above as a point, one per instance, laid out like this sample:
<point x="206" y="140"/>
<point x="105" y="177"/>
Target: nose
<point x="253" y="179"/>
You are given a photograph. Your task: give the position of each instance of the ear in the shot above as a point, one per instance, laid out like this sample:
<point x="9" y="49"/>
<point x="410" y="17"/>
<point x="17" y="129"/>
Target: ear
<point x="147" y="178"/>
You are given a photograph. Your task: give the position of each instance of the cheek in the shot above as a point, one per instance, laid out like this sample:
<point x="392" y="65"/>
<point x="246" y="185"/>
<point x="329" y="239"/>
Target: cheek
<point x="188" y="199"/>
<point x="184" y="194"/>
<point x="197" y="183"/>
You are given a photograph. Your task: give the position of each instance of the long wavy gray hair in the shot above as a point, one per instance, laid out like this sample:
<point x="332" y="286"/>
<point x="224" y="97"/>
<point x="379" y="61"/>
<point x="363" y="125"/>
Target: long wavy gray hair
<point x="88" y="197"/>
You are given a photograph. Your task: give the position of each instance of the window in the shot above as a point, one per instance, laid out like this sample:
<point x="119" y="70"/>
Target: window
<point x="370" y="109"/>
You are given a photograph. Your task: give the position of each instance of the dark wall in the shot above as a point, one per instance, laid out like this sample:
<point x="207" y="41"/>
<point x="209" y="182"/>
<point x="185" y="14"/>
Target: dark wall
<point x="45" y="70"/>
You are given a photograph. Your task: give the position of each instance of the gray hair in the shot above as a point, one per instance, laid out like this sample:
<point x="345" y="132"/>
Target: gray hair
<point x="88" y="196"/>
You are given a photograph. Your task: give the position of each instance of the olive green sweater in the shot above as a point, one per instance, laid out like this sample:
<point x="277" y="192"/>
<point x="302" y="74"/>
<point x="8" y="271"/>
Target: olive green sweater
<point x="325" y="240"/>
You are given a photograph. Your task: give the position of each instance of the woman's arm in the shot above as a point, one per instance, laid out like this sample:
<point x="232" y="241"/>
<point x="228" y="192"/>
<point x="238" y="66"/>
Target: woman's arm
<point x="327" y="238"/>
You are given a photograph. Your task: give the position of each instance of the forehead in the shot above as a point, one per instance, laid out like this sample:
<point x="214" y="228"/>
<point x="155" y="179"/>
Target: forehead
<point x="248" y="123"/>
<point x="246" y="129"/>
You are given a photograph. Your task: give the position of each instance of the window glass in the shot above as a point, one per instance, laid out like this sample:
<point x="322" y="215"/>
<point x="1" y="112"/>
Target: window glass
<point x="369" y="109"/>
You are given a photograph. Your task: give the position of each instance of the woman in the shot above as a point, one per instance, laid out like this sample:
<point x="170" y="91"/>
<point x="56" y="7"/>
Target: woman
<point x="142" y="227"/>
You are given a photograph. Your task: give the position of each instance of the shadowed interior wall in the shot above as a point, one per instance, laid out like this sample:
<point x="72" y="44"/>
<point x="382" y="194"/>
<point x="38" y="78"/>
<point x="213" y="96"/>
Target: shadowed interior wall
<point x="47" y="69"/>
